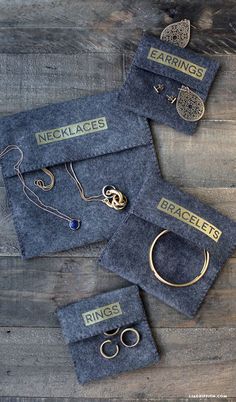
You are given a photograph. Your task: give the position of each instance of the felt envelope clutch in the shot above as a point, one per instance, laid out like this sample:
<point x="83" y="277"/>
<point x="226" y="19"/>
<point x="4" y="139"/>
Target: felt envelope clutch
<point x="107" y="147"/>
<point x="179" y="254"/>
<point x="83" y="325"/>
<point x="158" y="62"/>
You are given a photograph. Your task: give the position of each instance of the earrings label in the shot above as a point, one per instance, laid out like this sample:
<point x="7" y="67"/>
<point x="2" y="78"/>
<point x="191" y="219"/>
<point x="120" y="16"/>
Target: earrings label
<point x="102" y="313"/>
<point x="177" y="63"/>
<point x="177" y="33"/>
<point x="186" y="216"/>
<point x="189" y="105"/>
<point x="73" y="130"/>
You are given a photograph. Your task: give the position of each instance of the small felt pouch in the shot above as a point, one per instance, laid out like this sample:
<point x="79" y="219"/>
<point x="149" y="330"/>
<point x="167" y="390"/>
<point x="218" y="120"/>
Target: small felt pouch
<point x="197" y="238"/>
<point x="108" y="146"/>
<point x="163" y="65"/>
<point x="84" y="323"/>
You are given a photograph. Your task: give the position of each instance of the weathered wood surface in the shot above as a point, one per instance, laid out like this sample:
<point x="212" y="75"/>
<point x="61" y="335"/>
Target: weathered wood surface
<point x="38" y="359"/>
<point x="52" y="27"/>
<point x="30" y="291"/>
<point x="83" y="399"/>
<point x="52" y="50"/>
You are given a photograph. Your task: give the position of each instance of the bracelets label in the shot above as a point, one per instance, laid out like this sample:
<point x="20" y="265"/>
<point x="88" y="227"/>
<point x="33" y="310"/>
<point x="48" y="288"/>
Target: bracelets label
<point x="186" y="216"/>
<point x="177" y="63"/>
<point x="102" y="313"/>
<point x="73" y="130"/>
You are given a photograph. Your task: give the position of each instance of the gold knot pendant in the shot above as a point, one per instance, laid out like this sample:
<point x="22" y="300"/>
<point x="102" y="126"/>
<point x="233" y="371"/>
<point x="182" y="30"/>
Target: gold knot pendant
<point x="114" y="198"/>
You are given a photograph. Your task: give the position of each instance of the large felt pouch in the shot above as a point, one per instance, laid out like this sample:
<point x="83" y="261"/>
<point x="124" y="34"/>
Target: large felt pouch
<point x="160" y="63"/>
<point x="83" y="325"/>
<point x="107" y="147"/>
<point x="178" y="256"/>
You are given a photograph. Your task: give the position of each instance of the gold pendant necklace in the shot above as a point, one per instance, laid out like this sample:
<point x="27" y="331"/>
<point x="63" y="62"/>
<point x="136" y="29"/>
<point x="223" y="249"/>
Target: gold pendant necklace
<point x="110" y="196"/>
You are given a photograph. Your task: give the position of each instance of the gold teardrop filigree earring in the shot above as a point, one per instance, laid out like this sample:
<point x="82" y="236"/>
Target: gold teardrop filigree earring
<point x="177" y="33"/>
<point x="189" y="105"/>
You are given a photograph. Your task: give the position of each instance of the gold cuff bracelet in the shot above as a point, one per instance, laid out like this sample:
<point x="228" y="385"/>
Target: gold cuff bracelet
<point x="176" y="285"/>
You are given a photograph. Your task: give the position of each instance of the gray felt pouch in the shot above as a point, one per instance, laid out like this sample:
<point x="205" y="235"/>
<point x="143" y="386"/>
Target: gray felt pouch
<point x="158" y="62"/>
<point x="83" y="325"/>
<point x="108" y="146"/>
<point x="179" y="254"/>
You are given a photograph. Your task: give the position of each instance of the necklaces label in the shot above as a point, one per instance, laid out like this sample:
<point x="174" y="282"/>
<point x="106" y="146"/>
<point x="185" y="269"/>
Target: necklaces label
<point x="102" y="313"/>
<point x="183" y="215"/>
<point x="73" y="130"/>
<point x="177" y="63"/>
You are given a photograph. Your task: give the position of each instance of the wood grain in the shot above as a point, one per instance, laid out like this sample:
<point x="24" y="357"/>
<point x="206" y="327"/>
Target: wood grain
<point x="30" y="291"/>
<point x="51" y="51"/>
<point x="36" y="362"/>
<point x="50" y="27"/>
<point x="78" y="399"/>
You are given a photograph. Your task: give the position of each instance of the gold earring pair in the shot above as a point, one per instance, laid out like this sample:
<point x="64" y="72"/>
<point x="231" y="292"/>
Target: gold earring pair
<point x="122" y="340"/>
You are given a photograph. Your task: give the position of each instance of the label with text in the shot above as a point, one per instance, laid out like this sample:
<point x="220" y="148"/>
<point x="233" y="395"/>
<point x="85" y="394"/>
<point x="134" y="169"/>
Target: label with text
<point x="71" y="131"/>
<point x="186" y="216"/>
<point x="102" y="313"/>
<point x="177" y="63"/>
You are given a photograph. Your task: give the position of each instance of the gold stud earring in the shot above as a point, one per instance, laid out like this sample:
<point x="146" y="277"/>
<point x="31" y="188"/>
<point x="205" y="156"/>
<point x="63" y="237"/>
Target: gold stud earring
<point x="189" y="105"/>
<point x="171" y="98"/>
<point x="177" y="33"/>
<point x="159" y="88"/>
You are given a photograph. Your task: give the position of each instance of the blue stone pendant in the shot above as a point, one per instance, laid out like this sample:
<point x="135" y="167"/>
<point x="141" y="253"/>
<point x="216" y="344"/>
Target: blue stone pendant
<point x="74" y="224"/>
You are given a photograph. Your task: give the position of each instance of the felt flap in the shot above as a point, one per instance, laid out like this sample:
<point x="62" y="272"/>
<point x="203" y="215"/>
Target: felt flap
<point x="102" y="313"/>
<point x="71" y="131"/>
<point x="183" y="65"/>
<point x="161" y="203"/>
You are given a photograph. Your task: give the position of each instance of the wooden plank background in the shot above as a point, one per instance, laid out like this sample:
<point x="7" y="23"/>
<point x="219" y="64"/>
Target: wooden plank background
<point x="54" y="50"/>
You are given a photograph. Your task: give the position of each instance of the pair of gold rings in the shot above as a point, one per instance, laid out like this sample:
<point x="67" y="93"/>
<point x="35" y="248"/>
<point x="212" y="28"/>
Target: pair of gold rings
<point x="173" y="284"/>
<point x="122" y="340"/>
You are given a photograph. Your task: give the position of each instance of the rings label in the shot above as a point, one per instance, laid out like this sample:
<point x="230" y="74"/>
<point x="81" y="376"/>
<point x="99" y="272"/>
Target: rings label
<point x="102" y="313"/>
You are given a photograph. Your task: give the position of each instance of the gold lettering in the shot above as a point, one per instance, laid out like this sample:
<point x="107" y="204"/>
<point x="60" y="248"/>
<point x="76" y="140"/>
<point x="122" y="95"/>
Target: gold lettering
<point x="186" y="216"/>
<point x="177" y="63"/>
<point x="73" y="130"/>
<point x="102" y="313"/>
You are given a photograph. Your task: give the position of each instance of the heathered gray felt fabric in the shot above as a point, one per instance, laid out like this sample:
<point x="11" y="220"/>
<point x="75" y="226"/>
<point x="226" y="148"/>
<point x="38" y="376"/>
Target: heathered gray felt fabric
<point x="138" y="95"/>
<point x="121" y="156"/>
<point x="84" y="341"/>
<point x="178" y="256"/>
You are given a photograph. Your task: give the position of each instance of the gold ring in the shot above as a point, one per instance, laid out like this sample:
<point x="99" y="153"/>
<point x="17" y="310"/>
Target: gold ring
<point x="104" y="354"/>
<point x="130" y="330"/>
<point x="112" y="332"/>
<point x="176" y="285"/>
